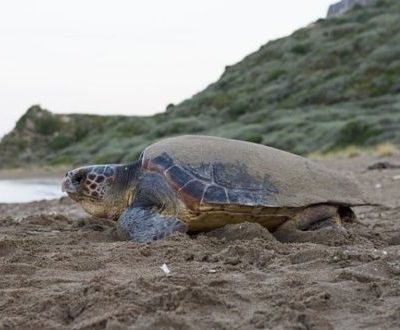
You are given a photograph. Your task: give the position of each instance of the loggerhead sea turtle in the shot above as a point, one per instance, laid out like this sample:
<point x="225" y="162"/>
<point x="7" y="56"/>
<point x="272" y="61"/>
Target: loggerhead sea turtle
<point x="198" y="183"/>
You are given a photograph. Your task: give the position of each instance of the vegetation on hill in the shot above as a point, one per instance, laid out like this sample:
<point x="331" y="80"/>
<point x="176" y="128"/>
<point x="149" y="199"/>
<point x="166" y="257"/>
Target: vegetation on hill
<point x="331" y="85"/>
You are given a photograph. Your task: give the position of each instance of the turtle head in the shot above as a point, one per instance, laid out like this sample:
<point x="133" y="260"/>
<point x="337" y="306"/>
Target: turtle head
<point x="103" y="191"/>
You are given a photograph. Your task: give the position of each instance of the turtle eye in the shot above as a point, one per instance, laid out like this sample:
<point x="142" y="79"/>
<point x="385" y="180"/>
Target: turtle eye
<point x="78" y="178"/>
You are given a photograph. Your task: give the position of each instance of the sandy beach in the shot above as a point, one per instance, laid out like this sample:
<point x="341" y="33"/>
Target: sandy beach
<point x="61" y="269"/>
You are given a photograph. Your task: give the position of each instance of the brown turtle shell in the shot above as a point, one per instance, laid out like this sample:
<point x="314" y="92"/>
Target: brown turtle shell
<point x="206" y="170"/>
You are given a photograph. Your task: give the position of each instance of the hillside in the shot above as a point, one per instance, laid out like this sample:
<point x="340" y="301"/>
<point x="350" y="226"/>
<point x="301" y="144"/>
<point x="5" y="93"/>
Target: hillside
<point x="330" y="85"/>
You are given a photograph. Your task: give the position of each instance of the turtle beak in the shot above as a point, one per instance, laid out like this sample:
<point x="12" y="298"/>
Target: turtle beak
<point x="67" y="185"/>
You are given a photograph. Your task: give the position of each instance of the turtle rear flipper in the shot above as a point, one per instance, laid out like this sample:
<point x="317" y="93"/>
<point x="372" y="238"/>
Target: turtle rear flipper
<point x="316" y="224"/>
<point x="144" y="225"/>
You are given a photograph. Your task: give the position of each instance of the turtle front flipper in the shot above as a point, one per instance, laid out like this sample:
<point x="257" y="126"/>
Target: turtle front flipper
<point x="144" y="225"/>
<point x="315" y="224"/>
<point x="151" y="216"/>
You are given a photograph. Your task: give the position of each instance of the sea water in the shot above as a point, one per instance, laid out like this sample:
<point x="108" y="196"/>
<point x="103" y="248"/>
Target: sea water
<point x="28" y="190"/>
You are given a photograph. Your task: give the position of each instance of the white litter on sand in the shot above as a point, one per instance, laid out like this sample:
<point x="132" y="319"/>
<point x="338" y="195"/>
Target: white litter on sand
<point x="165" y="269"/>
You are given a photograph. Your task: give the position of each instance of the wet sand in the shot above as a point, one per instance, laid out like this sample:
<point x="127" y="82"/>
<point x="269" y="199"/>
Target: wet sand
<point x="62" y="269"/>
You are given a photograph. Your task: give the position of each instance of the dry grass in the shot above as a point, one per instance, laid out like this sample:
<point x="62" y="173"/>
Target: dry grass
<point x="386" y="149"/>
<point x="380" y="150"/>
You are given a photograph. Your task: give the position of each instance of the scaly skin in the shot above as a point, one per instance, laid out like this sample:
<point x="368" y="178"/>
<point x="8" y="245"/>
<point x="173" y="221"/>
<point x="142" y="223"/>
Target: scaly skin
<point x="103" y="191"/>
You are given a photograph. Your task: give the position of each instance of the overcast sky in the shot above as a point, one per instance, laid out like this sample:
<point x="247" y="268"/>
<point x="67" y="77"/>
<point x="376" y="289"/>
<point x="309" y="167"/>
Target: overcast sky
<point x="128" y="56"/>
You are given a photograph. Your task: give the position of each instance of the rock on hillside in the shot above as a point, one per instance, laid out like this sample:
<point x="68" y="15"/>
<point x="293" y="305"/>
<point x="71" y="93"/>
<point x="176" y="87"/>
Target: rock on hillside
<point x="343" y="6"/>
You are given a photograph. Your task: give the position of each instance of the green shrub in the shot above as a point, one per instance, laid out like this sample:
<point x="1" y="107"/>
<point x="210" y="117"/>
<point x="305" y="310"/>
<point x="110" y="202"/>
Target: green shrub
<point x="80" y="132"/>
<point x="301" y="49"/>
<point x="301" y="34"/>
<point x="218" y="101"/>
<point x="60" y="142"/>
<point x="178" y="126"/>
<point x="355" y="132"/>
<point x="62" y="160"/>
<point x="275" y="74"/>
<point x="132" y="126"/>
<point x="237" y="108"/>
<point x="251" y="137"/>
<point x="47" y="125"/>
